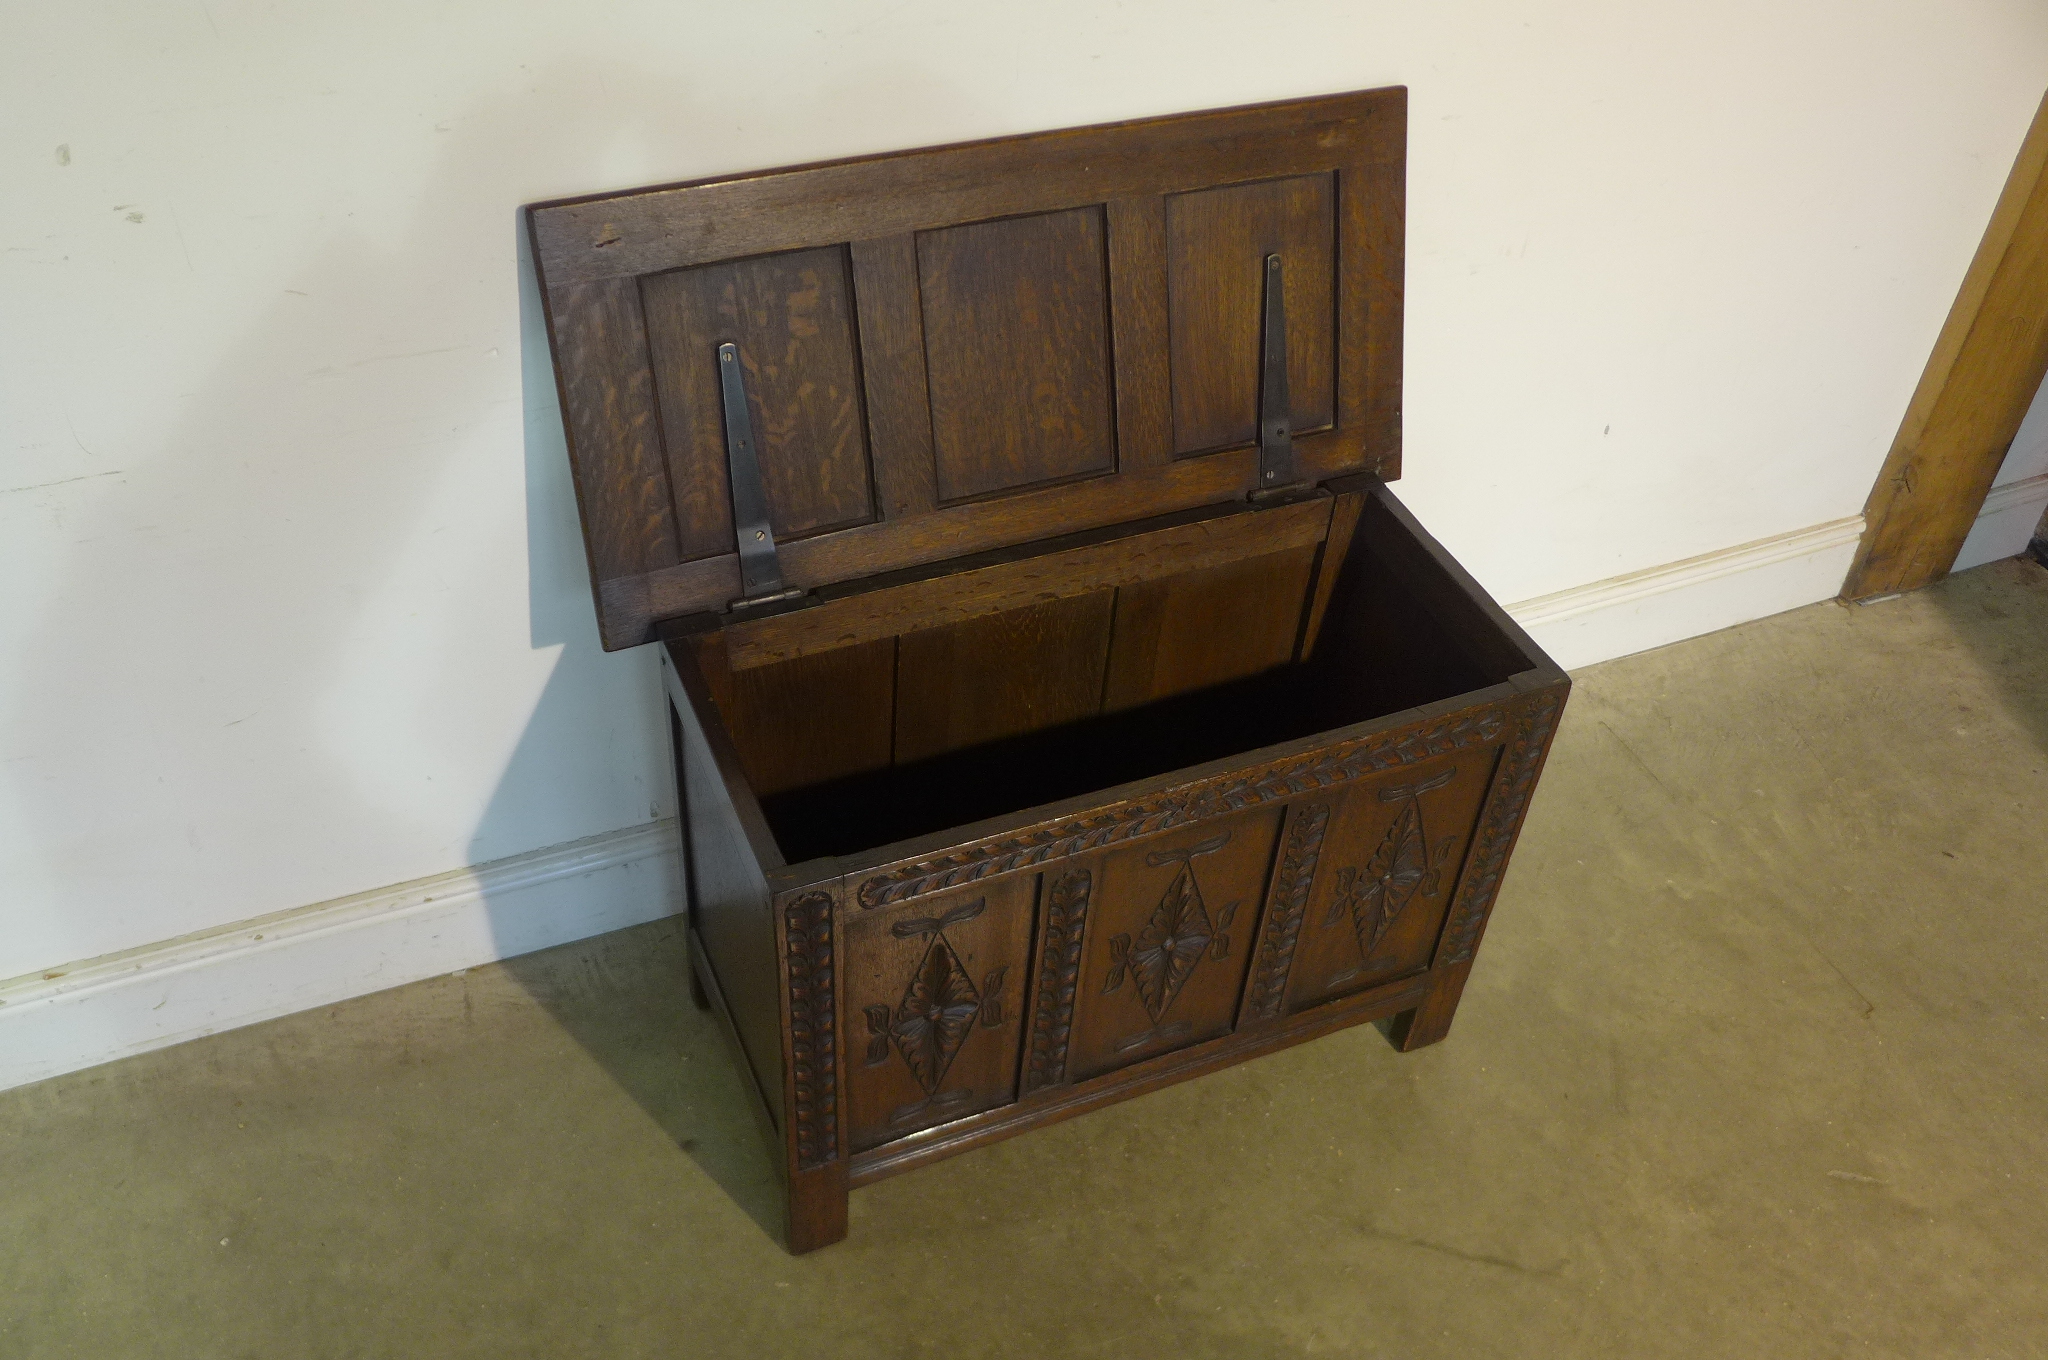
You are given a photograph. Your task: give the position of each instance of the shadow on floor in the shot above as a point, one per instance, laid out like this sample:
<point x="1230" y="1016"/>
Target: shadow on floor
<point x="624" y="998"/>
<point x="1999" y="612"/>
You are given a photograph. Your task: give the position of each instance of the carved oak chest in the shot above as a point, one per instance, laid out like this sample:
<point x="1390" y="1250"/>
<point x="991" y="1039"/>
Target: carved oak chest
<point x="1062" y="705"/>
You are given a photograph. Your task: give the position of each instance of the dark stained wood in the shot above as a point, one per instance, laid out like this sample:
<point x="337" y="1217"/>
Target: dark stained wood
<point x="1016" y="333"/>
<point x="791" y="316"/>
<point x="951" y="531"/>
<point x="1371" y="236"/>
<point x="1167" y="950"/>
<point x="1076" y="564"/>
<point x="1022" y="670"/>
<point x="809" y="951"/>
<point x="1206" y="627"/>
<point x="1388" y="876"/>
<point x="1056" y="1104"/>
<point x="1144" y="374"/>
<point x="807" y="720"/>
<point x="609" y="235"/>
<point x="614" y="435"/>
<point x="1022" y="367"/>
<point x="1336" y="550"/>
<point x="1072" y="774"/>
<point x="1416" y="571"/>
<point x="899" y="403"/>
<point x="934" y="1007"/>
<point x="817" y="1207"/>
<point x="726" y="887"/>
<point x="1217" y="241"/>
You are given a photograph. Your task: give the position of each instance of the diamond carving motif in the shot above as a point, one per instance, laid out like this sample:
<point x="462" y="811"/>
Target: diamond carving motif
<point x="1405" y="866"/>
<point x="940" y="1004"/>
<point x="1179" y="934"/>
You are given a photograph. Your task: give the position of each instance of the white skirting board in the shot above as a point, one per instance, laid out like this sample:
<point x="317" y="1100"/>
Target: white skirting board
<point x="76" y="1016"/>
<point x="79" y="1015"/>
<point x="2005" y="525"/>
<point x="1624" y="615"/>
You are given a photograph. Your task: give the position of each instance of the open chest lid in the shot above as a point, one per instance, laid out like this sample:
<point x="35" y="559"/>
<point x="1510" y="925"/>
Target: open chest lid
<point x="778" y="381"/>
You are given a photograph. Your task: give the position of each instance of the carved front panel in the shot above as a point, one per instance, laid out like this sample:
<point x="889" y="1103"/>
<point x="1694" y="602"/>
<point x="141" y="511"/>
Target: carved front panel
<point x="1173" y="921"/>
<point x="1389" y="864"/>
<point x="934" y="1005"/>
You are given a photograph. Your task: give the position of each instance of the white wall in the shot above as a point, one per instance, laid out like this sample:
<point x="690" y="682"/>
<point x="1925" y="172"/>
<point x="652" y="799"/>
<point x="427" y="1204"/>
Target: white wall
<point x="294" y="603"/>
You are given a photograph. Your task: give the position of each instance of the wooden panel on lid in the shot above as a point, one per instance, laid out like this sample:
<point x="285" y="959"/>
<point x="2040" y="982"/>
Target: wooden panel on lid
<point x="1217" y="241"/>
<point x="1016" y="340"/>
<point x="792" y="318"/>
<point x="971" y="348"/>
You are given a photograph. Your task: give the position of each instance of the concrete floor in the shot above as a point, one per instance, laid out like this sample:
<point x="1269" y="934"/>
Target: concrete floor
<point x="1755" y="1063"/>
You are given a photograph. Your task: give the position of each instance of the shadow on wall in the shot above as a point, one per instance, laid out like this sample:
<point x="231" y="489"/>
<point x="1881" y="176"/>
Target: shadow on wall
<point x="625" y="999"/>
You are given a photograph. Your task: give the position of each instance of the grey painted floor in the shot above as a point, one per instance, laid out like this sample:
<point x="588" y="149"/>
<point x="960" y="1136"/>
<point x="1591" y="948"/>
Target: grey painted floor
<point x="1755" y="1063"/>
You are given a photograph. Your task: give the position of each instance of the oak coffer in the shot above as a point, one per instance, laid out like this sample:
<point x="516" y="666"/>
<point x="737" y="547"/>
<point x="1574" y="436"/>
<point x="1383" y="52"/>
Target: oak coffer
<point x="1062" y="706"/>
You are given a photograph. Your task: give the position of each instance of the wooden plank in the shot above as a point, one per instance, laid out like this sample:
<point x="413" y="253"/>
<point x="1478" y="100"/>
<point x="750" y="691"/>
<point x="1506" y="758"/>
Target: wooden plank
<point x="1138" y="318"/>
<point x="1217" y="241"/>
<point x="871" y="550"/>
<point x="1344" y="510"/>
<point x="792" y="318"/>
<point x="1016" y="339"/>
<point x="728" y="894"/>
<point x="614" y="432"/>
<point x="802" y="722"/>
<point x="1372" y="217"/>
<point x="1079" y="564"/>
<point x="610" y="235"/>
<point x="1430" y="573"/>
<point x="1202" y="628"/>
<point x="1986" y="367"/>
<point x="1021" y="670"/>
<point x="892" y="366"/>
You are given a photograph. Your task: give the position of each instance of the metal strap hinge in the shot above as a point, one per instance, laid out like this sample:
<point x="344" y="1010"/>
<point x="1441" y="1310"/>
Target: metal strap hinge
<point x="1278" y="474"/>
<point x="760" y="568"/>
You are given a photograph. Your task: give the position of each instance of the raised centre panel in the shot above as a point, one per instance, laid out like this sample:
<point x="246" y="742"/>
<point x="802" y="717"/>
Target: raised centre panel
<point x="1171" y="931"/>
<point x="934" y="1007"/>
<point x="791" y="316"/>
<point x="1017" y="360"/>
<point x="1217" y="241"/>
<point x="1389" y="866"/>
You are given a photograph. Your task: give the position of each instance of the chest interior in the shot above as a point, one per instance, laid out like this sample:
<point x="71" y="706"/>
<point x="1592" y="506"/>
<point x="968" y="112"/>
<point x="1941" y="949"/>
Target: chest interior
<point x="902" y="732"/>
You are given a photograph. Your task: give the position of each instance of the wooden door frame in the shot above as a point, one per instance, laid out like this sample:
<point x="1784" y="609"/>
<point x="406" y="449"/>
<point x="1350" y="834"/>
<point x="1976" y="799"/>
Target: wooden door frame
<point x="1986" y="367"/>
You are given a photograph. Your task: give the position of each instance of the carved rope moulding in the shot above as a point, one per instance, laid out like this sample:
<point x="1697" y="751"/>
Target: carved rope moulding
<point x="1177" y="807"/>
<point x="1059" y="978"/>
<point x="1290" y="903"/>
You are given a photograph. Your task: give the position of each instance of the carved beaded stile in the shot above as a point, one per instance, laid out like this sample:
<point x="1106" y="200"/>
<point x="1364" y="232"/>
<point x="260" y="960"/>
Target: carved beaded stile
<point x="813" y="1048"/>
